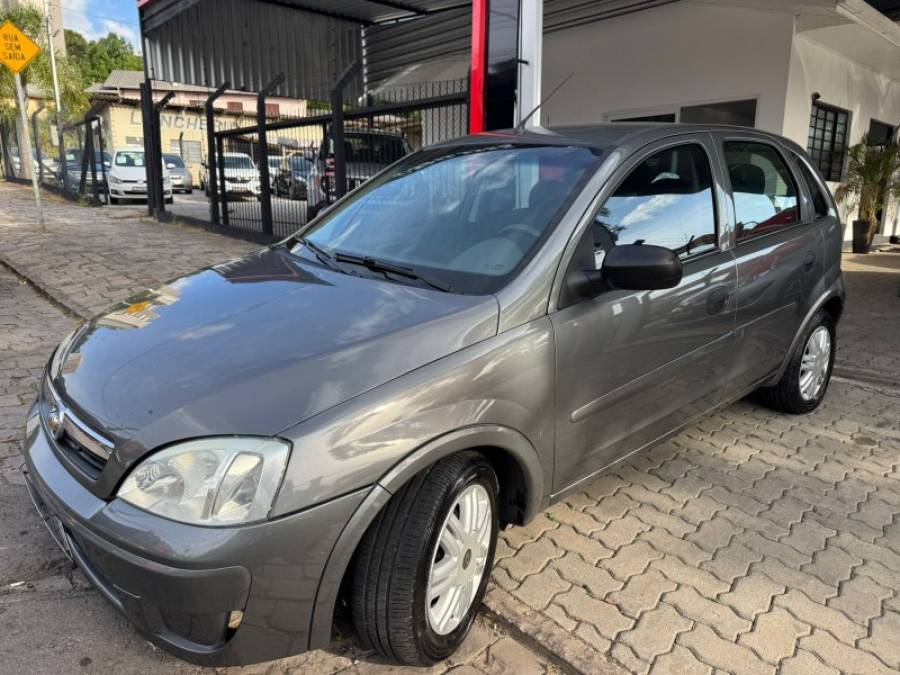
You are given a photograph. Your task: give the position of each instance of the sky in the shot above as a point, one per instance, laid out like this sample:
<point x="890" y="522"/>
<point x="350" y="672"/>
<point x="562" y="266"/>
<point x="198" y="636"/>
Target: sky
<point x="96" y="18"/>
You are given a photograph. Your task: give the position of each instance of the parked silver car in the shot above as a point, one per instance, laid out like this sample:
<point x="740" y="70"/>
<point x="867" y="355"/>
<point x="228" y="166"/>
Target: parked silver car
<point x="347" y="418"/>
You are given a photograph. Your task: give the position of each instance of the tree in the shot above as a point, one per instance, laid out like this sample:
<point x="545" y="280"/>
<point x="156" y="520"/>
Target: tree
<point x="96" y="59"/>
<point x="37" y="75"/>
<point x="873" y="175"/>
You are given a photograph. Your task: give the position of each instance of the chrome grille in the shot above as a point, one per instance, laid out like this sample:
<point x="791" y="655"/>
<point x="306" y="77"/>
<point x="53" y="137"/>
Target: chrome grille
<point x="84" y="446"/>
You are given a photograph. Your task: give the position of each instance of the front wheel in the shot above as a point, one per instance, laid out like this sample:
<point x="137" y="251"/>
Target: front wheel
<point x="805" y="380"/>
<point x="422" y="567"/>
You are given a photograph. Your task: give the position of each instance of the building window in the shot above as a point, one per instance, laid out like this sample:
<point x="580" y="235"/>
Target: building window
<point x="272" y="110"/>
<point x="190" y="151"/>
<point x="880" y="133"/>
<point x="235" y="107"/>
<point x="828" y="129"/>
<point x="134" y="140"/>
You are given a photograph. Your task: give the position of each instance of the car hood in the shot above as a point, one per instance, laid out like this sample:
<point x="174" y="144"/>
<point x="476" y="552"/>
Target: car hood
<point x="253" y="346"/>
<point x="129" y="172"/>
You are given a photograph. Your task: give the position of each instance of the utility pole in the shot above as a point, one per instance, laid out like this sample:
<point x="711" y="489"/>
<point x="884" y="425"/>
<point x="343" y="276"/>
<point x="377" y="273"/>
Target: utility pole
<point x="59" y="117"/>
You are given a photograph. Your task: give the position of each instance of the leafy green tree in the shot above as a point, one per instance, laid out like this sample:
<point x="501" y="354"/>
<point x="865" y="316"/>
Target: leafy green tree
<point x="96" y="59"/>
<point x="38" y="76"/>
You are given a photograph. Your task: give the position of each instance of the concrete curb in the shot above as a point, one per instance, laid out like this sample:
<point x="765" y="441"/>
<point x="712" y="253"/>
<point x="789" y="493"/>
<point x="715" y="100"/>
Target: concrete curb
<point x="546" y="638"/>
<point x="68" y="306"/>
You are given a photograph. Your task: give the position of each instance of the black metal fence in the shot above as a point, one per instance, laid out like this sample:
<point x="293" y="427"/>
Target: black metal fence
<point x="271" y="177"/>
<point x="71" y="161"/>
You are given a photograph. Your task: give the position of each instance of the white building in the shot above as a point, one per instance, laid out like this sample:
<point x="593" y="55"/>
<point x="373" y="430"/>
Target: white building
<point x="820" y="72"/>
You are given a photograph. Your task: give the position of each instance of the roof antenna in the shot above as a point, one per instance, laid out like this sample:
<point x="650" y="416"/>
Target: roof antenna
<point x="521" y="125"/>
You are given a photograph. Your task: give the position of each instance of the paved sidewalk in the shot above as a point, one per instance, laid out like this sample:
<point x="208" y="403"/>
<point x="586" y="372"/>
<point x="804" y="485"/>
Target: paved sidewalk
<point x="750" y="543"/>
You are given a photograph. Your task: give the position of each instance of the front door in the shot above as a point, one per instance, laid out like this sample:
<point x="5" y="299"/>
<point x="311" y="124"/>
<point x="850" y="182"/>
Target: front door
<point x="634" y="365"/>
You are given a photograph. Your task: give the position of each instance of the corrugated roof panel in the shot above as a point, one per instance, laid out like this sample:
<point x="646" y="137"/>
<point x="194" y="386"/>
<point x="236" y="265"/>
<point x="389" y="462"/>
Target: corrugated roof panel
<point x="249" y="43"/>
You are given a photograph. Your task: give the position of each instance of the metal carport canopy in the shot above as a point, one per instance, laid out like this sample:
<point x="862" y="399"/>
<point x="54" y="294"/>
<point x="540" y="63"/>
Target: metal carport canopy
<point x="248" y="42"/>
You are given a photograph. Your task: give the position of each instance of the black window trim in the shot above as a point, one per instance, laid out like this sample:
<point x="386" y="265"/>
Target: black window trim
<point x="828" y="107"/>
<point x="806" y="162"/>
<point x="635" y="159"/>
<point x="762" y="140"/>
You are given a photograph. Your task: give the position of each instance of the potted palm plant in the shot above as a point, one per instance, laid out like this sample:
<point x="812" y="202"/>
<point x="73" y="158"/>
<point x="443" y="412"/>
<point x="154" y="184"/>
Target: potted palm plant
<point x="871" y="178"/>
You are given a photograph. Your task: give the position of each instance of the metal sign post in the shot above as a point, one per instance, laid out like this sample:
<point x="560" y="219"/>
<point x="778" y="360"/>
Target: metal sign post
<point x="16" y="51"/>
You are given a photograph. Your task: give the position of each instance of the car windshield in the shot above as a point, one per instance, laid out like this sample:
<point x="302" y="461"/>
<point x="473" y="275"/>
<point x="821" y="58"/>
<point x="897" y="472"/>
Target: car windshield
<point x="76" y="155"/>
<point x="174" y="160"/>
<point x="238" y="162"/>
<point x="130" y="158"/>
<point x="469" y="216"/>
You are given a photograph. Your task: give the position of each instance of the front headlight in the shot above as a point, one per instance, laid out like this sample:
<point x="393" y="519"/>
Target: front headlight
<point x="113" y="178"/>
<point x="212" y="481"/>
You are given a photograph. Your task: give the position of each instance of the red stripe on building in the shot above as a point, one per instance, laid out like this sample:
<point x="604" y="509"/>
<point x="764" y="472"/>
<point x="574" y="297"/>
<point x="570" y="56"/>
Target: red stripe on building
<point x="479" y="65"/>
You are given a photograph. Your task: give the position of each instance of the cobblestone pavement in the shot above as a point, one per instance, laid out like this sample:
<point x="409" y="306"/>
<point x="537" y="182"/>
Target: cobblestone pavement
<point x="750" y="543"/>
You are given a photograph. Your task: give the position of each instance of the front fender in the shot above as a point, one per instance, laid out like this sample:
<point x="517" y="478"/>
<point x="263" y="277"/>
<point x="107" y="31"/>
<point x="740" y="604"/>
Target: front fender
<point x="493" y="436"/>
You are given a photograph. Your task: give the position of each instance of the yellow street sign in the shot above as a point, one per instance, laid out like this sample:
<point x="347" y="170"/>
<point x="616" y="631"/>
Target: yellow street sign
<point x="16" y="49"/>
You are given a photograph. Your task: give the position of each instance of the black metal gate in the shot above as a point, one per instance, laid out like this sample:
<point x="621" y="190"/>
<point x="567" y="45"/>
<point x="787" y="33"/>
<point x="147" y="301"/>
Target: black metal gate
<point x="273" y="177"/>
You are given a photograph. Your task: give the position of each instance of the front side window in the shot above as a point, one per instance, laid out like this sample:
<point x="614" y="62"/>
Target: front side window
<point x="667" y="200"/>
<point x="765" y="197"/>
<point x="467" y="215"/>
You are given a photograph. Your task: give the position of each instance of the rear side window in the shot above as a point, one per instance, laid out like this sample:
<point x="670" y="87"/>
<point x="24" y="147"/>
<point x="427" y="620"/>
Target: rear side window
<point x="765" y="196"/>
<point x="667" y="200"/>
<point x="820" y="203"/>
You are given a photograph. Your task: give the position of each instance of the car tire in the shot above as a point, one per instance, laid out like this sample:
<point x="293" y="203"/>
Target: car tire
<point x="397" y="609"/>
<point x="805" y="380"/>
<point x="113" y="200"/>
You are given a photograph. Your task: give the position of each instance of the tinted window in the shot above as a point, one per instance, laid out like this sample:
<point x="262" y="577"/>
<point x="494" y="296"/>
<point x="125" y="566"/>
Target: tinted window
<point x="820" y="203"/>
<point x="666" y="200"/>
<point x="765" y="197"/>
<point x="174" y="159"/>
<point x="371" y="148"/>
<point x="469" y="216"/>
<point x="238" y="162"/>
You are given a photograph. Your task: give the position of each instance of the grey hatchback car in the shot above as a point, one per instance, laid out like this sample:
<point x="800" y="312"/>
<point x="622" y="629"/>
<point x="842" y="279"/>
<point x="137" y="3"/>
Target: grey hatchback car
<point x="343" y="421"/>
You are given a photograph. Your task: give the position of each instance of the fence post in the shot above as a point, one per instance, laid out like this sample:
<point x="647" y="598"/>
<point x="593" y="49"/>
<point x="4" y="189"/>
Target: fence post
<point x="220" y="152"/>
<point x="265" y="187"/>
<point x="147" y="119"/>
<point x="212" y="178"/>
<point x="337" y="129"/>
<point x="156" y="157"/>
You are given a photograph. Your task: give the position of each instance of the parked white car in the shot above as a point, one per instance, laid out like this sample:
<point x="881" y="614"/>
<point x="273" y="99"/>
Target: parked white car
<point x="241" y="176"/>
<point x="127" y="177"/>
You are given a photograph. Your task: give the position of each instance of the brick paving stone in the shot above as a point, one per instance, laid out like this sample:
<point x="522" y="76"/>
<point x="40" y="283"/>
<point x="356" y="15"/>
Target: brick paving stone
<point x="752" y="595"/>
<point x="721" y="618"/>
<point x="774" y="635"/>
<point x="594" y="578"/>
<point x="606" y="618"/>
<point x="843" y="657"/>
<point x="723" y="654"/>
<point x="688" y="575"/>
<point x="680" y="661"/>
<point x="815" y="614"/>
<point x="731" y="562"/>
<point x="884" y="641"/>
<point x="804" y="663"/>
<point x="860" y="599"/>
<point x="655" y="632"/>
<point x="641" y="593"/>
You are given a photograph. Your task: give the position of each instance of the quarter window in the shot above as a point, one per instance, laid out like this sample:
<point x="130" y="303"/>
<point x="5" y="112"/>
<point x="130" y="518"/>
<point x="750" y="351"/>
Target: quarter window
<point x="667" y="200"/>
<point x="765" y="197"/>
<point x="827" y="142"/>
<point x="820" y="203"/>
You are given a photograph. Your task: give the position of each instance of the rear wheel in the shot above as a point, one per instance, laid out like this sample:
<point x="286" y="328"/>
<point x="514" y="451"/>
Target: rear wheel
<point x="422" y="567"/>
<point x="804" y="382"/>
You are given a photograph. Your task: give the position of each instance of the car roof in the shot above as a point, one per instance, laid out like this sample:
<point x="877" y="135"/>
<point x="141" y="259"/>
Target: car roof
<point x="130" y="148"/>
<point x="609" y="135"/>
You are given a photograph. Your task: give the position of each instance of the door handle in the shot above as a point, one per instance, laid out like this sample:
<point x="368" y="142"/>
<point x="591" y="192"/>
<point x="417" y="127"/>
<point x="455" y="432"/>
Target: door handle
<point x="809" y="260"/>
<point x="717" y="300"/>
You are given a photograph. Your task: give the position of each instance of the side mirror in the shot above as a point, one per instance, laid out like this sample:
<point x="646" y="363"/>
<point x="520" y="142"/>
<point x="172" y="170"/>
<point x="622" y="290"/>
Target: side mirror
<point x="640" y="267"/>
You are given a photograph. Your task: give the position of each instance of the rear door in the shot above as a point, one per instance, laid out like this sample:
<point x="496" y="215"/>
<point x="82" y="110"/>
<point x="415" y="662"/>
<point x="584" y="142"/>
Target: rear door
<point x="778" y="251"/>
<point x="634" y="365"/>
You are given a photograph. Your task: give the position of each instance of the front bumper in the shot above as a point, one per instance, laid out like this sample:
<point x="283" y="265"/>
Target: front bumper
<point x="178" y="583"/>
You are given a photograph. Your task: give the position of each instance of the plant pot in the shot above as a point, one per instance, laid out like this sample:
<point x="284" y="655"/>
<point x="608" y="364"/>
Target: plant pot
<point x="861" y="242"/>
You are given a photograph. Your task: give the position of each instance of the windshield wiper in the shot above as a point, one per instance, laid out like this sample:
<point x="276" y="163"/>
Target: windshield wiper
<point x="321" y="254"/>
<point x="390" y="268"/>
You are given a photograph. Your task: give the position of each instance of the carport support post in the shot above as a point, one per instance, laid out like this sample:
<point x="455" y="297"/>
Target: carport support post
<point x="147" y="118"/>
<point x="337" y="129"/>
<point x="102" y="154"/>
<point x="37" y="143"/>
<point x="156" y="155"/>
<point x="531" y="37"/>
<point x="265" y="188"/>
<point x="212" y="178"/>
